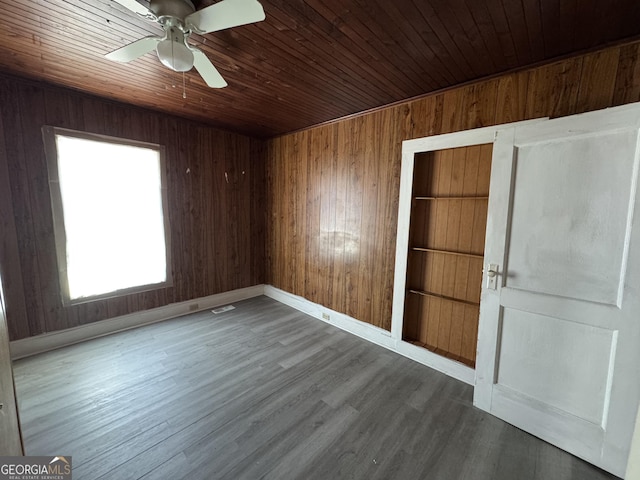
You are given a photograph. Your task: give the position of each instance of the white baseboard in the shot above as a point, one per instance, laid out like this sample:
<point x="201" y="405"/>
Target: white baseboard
<point x="445" y="365"/>
<point x="369" y="332"/>
<point x="374" y="334"/>
<point x="61" y="338"/>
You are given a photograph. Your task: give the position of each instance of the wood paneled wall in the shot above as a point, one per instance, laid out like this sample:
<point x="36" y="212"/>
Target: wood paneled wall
<point x="333" y="190"/>
<point x="217" y="227"/>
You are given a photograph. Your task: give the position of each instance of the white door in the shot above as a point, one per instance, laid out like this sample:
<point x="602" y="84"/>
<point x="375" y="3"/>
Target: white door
<point x="559" y="336"/>
<point x="10" y="441"/>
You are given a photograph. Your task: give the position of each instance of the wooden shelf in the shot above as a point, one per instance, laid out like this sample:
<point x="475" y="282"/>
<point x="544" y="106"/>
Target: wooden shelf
<point x="443" y="353"/>
<point x="443" y="297"/>
<point x="452" y="198"/>
<point x="446" y="252"/>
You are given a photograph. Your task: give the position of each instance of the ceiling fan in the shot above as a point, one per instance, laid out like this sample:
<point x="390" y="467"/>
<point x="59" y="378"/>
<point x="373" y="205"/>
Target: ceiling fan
<point x="179" y="19"/>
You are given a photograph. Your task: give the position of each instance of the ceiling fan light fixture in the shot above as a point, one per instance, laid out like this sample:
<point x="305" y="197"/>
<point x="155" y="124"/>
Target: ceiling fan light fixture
<point x="175" y="55"/>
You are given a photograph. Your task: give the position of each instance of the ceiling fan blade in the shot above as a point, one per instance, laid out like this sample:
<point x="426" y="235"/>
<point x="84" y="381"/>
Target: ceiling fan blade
<point x="205" y="68"/>
<point x="133" y="50"/>
<point x="225" y="14"/>
<point x="134" y="7"/>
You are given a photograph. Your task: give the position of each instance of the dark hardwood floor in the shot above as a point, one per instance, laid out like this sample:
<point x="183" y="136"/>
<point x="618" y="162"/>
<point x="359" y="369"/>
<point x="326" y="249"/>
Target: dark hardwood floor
<point x="264" y="391"/>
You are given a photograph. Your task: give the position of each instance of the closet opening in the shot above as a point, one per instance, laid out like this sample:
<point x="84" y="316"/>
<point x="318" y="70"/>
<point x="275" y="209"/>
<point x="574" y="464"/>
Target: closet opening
<point x="445" y="259"/>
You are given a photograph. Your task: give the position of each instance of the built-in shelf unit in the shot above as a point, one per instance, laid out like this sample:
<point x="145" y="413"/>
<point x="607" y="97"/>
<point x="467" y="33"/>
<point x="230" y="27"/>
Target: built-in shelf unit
<point x="445" y="254"/>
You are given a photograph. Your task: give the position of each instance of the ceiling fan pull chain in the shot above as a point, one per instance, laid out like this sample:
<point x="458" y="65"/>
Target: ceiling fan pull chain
<point x="184" y="88"/>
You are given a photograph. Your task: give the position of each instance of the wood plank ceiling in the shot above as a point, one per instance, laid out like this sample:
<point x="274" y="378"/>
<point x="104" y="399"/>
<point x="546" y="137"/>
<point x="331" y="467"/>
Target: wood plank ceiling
<point x="311" y="60"/>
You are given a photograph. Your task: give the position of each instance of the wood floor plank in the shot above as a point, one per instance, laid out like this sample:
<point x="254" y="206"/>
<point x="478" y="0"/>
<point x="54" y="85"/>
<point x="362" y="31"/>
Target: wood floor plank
<point x="264" y="391"/>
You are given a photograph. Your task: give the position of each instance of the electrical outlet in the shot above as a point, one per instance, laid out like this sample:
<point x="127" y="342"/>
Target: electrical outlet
<point x="325" y="316"/>
<point x="193" y="307"/>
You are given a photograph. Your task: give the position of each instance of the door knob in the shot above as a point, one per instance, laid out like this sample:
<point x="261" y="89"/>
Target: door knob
<point x="492" y="276"/>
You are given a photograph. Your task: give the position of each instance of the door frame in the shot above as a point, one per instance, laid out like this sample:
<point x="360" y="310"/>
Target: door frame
<point x="10" y="433"/>
<point x="466" y="138"/>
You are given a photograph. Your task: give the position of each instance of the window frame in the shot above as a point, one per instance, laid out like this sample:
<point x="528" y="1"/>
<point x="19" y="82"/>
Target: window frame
<point x="59" y="233"/>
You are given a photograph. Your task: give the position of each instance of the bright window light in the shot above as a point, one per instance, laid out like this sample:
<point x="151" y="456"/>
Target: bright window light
<point x="113" y="216"/>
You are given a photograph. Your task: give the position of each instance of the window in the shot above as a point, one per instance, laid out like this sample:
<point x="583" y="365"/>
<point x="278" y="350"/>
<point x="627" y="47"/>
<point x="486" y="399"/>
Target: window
<point x="109" y="211"/>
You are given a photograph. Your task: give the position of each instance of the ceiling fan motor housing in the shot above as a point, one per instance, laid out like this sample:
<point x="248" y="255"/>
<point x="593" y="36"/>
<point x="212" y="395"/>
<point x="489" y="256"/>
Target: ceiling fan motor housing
<point x="172" y="8"/>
